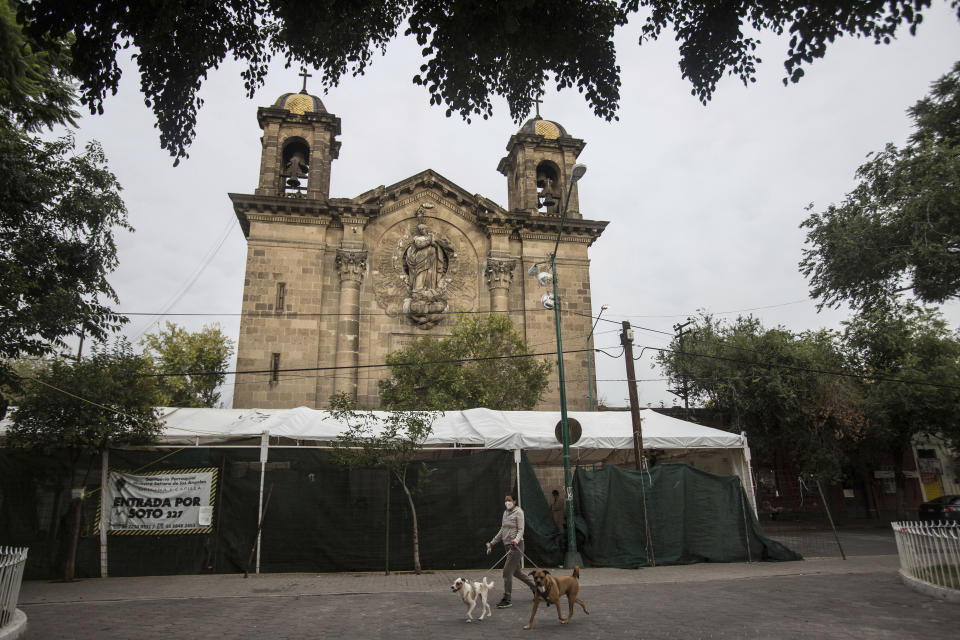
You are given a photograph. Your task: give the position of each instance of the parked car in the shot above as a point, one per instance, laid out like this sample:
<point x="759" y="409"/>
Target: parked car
<point x="943" y="509"/>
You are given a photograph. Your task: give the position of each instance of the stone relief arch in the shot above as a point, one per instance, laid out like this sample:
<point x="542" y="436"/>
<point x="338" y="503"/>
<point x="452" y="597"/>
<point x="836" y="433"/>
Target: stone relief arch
<point x="425" y="265"/>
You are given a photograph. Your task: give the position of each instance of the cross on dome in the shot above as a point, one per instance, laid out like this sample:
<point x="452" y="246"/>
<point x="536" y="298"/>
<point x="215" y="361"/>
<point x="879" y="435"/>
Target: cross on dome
<point x="305" y="75"/>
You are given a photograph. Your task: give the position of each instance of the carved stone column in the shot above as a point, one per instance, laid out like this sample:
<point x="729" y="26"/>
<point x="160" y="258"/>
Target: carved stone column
<point x="351" y="265"/>
<point x="499" y="274"/>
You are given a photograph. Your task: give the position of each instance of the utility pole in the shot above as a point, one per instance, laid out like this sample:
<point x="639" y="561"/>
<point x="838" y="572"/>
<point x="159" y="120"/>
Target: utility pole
<point x="76" y="358"/>
<point x="626" y="339"/>
<point x="639" y="453"/>
<point x="683" y="391"/>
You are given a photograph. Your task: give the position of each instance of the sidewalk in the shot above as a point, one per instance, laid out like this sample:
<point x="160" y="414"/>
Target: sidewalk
<point x="38" y="592"/>
<point x="816" y="599"/>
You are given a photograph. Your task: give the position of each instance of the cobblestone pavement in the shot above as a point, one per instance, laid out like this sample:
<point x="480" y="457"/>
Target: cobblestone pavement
<point x="820" y="598"/>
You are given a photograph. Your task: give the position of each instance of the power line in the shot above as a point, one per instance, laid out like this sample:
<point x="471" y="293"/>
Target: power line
<point x="82" y="399"/>
<point x="723" y="313"/>
<point x="845" y="374"/>
<point x="357" y="366"/>
<point x="778" y="365"/>
<point x="191" y="280"/>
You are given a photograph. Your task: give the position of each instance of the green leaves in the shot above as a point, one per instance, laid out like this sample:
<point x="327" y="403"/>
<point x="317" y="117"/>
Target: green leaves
<point x="473" y="51"/>
<point x="34" y="89"/>
<point x="909" y="343"/>
<point x="389" y="441"/>
<point x="198" y="362"/>
<point x="58" y="213"/>
<point x="898" y="230"/>
<point x="104" y="400"/>
<point x="823" y="399"/>
<point x="483" y="363"/>
<point x="717" y="38"/>
<point x="772" y="384"/>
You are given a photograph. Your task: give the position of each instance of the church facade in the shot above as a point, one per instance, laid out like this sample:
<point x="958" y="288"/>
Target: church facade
<point x="332" y="285"/>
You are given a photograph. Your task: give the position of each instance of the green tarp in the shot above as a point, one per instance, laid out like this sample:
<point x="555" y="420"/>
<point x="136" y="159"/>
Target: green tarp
<point x="322" y="517"/>
<point x="693" y="516"/>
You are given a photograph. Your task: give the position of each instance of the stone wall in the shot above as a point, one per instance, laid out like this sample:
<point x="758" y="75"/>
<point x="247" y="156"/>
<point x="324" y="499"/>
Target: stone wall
<point x="314" y="325"/>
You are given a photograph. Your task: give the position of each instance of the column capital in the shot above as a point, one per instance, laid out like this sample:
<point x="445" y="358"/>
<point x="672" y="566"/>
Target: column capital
<point x="499" y="272"/>
<point x="351" y="264"/>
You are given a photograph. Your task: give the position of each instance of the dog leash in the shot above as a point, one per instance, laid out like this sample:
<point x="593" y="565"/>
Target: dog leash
<point x="535" y="566"/>
<point x="497" y="562"/>
<point x="529" y="560"/>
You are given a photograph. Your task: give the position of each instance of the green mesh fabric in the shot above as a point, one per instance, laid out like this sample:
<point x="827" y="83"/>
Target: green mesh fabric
<point x="693" y="515"/>
<point x="541" y="538"/>
<point x="320" y="517"/>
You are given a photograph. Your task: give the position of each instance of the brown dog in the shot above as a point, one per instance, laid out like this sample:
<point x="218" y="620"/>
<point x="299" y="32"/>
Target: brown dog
<point x="551" y="589"/>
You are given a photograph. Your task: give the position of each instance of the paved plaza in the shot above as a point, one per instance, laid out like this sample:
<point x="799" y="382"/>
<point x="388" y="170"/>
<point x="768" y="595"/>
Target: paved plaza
<point x="822" y="597"/>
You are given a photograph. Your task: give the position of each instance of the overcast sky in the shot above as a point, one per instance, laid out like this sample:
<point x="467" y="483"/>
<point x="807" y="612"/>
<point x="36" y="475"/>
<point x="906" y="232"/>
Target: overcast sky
<point x="704" y="202"/>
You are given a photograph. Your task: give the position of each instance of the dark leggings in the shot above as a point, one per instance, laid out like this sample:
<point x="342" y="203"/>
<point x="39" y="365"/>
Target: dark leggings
<point x="512" y="568"/>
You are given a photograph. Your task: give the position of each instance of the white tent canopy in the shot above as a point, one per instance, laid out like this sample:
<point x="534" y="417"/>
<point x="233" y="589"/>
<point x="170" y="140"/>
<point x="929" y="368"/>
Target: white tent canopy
<point x="486" y="428"/>
<point x="607" y="436"/>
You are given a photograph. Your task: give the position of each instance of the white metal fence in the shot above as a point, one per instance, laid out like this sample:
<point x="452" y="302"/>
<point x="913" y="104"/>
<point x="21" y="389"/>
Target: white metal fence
<point x="930" y="551"/>
<point x="12" y="561"/>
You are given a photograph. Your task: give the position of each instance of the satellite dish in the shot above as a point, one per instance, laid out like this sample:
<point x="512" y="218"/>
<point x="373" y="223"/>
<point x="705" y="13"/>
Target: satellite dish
<point x="575" y="430"/>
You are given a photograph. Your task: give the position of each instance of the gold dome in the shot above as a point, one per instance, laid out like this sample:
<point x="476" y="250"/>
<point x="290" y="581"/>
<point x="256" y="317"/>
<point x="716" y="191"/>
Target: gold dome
<point x="547" y="128"/>
<point x="300" y="103"/>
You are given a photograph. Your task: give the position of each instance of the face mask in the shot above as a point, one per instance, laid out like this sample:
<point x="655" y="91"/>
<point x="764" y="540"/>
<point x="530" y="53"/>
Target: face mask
<point x="508" y="505"/>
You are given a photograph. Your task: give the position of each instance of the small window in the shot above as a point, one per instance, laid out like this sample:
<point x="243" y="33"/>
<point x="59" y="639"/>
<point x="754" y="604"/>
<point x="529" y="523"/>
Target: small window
<point x="281" y="297"/>
<point x="275" y="368"/>
<point x="889" y="486"/>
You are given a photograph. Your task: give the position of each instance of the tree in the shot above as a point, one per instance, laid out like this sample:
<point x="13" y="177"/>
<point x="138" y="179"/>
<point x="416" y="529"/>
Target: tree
<point x="34" y="90"/>
<point x="484" y="362"/>
<point x="910" y="361"/>
<point x="84" y="407"/>
<point x="390" y="442"/>
<point x="58" y="212"/>
<point x="775" y="385"/>
<point x="473" y="50"/>
<point x="198" y="362"/>
<point x="898" y="229"/>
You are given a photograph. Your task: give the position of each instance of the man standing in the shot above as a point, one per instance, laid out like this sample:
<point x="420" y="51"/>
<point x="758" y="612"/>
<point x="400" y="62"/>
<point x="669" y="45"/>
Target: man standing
<point x="559" y="510"/>
<point x="511" y="534"/>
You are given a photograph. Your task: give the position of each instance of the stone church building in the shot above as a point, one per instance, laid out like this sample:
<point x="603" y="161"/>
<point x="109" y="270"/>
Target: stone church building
<point x="332" y="285"/>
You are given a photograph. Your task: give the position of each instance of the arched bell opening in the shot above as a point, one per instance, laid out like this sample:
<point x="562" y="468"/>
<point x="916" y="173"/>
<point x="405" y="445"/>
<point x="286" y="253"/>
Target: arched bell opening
<point x="296" y="167"/>
<point x="549" y="190"/>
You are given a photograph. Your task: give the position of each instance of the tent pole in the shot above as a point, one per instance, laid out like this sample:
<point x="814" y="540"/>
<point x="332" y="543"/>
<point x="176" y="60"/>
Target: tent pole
<point x="264" y="453"/>
<point x="104" y="510"/>
<point x="746" y="457"/>
<point x="826" y="506"/>
<point x="516" y="462"/>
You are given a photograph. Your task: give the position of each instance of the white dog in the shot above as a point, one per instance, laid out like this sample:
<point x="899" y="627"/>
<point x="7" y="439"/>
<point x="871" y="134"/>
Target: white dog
<point x="471" y="592"/>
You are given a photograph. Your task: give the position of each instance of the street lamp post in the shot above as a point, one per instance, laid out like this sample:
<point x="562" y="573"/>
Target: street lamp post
<point x="590" y="355"/>
<point x="572" y="557"/>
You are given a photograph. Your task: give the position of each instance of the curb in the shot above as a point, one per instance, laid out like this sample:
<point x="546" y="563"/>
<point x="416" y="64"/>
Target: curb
<point x="950" y="595"/>
<point x="16" y="628"/>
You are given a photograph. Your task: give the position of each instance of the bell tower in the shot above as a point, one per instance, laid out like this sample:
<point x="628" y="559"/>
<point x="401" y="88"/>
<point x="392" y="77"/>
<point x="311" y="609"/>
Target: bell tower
<point x="540" y="157"/>
<point x="299" y="144"/>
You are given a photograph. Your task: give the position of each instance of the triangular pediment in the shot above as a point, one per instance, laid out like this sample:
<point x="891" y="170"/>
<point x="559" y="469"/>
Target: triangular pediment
<point x="439" y="187"/>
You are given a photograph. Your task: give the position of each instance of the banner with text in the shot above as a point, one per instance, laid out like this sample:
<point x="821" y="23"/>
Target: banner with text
<point x="178" y="501"/>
